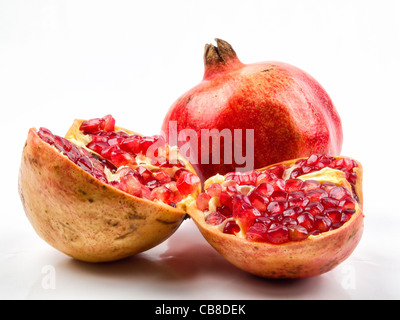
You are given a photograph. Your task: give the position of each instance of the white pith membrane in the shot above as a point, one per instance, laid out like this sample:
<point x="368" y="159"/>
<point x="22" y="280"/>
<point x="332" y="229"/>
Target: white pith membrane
<point x="326" y="174"/>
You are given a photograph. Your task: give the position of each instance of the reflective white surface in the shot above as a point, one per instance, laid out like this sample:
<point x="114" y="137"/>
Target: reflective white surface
<point x="186" y="267"/>
<point x="61" y="60"/>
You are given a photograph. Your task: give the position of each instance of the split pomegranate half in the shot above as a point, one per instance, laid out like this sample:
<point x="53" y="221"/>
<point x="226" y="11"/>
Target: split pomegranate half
<point x="294" y="219"/>
<point x="103" y="192"/>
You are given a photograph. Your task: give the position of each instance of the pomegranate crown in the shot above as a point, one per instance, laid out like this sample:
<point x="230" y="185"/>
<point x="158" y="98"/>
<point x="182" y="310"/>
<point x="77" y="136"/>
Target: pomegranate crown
<point x="219" y="59"/>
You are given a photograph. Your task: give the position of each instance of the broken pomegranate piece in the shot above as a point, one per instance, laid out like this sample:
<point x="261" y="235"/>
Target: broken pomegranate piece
<point x="118" y="158"/>
<point x="103" y="193"/>
<point x="294" y="219"/>
<point x="295" y="206"/>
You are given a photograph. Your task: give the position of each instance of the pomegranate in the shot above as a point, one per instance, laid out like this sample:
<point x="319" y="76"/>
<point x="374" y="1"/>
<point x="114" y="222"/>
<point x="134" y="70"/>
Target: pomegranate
<point x="291" y="114"/>
<point x="280" y="222"/>
<point x="103" y="193"/>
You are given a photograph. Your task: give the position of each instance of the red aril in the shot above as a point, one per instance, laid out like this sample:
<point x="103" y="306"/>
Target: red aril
<point x="297" y="233"/>
<point x="215" y="218"/>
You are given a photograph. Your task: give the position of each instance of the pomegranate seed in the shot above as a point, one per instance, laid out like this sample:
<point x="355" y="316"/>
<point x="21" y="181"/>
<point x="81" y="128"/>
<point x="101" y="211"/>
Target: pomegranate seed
<point x="131" y="144"/>
<point x="306" y="219"/>
<point x="99" y="175"/>
<point x="115" y="141"/>
<point x="276" y="217"/>
<point x="153" y="184"/>
<point x="277" y="171"/>
<point x="162" y="176"/>
<point x="264" y="189"/>
<point x="279" y="196"/>
<point x="131" y="185"/>
<point x="180" y="172"/>
<point x="277" y="207"/>
<point x="232" y="190"/>
<point x="296" y="195"/>
<point x="46" y="135"/>
<point x="279" y="184"/>
<point x="277" y="234"/>
<point x="348" y="203"/>
<point x="238" y="200"/>
<point x="339" y="193"/>
<point x="214" y="190"/>
<point x="292" y="212"/>
<point x="202" y="201"/>
<point x="328" y="186"/>
<point x="297" y="233"/>
<point x="257" y="232"/>
<point x="336" y="225"/>
<point x="307" y="169"/>
<point x="187" y="183"/>
<point x="97" y="146"/>
<point x="109" y="123"/>
<point x="314" y="208"/>
<point x="258" y="201"/>
<point x="106" y="152"/>
<point x="84" y="163"/>
<point x="343" y="163"/>
<point x="146" y="142"/>
<point x="329" y="203"/>
<point x="145" y="173"/>
<point x="215" y="218"/>
<point x="352" y="178"/>
<point x="162" y="193"/>
<point x="246" y="213"/>
<point x="313" y="159"/>
<point x="301" y="162"/>
<point x="231" y="227"/>
<point x="289" y="221"/>
<point x="310" y="185"/>
<point x="334" y="214"/>
<point x="62" y="144"/>
<point x="298" y="199"/>
<point x="322" y="223"/>
<point x="121" y="158"/>
<point x="225" y="199"/>
<point x="293" y="185"/>
<point x="296" y="173"/>
<point x="243" y="178"/>
<point x="122" y="172"/>
<point x="265" y="220"/>
<point x="225" y="211"/>
<point x="299" y="202"/>
<point x="74" y="154"/>
<point x="264" y="177"/>
<point x="146" y="192"/>
<point x="346" y="215"/>
<point x="92" y="126"/>
<point x="316" y="194"/>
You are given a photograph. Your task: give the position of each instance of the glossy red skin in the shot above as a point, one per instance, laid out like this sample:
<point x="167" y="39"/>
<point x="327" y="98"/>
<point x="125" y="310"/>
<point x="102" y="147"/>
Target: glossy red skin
<point x="291" y="114"/>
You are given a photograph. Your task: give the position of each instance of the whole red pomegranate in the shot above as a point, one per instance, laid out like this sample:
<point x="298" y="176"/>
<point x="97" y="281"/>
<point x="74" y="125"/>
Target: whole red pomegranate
<point x="291" y="114"/>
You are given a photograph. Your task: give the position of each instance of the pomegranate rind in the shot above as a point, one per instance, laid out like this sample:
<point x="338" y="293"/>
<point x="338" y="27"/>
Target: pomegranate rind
<point x="83" y="217"/>
<point x="297" y="259"/>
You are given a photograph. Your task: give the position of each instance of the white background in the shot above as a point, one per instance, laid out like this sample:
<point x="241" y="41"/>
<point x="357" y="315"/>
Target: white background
<point x="61" y="60"/>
